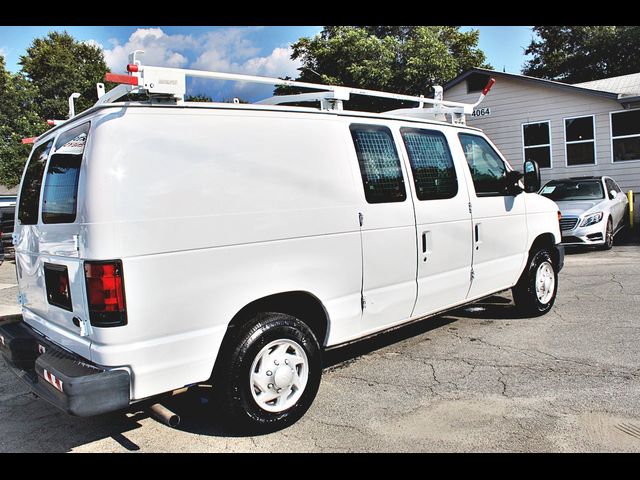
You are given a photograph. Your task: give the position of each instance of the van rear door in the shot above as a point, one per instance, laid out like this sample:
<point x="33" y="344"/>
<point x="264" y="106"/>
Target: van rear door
<point x="49" y="269"/>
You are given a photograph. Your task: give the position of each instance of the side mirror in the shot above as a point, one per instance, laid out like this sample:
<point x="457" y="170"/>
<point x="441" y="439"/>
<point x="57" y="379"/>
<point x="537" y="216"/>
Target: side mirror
<point x="531" y="176"/>
<point x="612" y="194"/>
<point x="512" y="182"/>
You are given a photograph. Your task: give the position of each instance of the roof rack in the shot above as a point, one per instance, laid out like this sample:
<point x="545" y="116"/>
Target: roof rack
<point x="164" y="85"/>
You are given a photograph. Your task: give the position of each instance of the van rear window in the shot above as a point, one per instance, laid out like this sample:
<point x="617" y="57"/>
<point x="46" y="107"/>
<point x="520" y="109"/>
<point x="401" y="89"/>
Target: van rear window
<point x="60" y="199"/>
<point x="30" y="193"/>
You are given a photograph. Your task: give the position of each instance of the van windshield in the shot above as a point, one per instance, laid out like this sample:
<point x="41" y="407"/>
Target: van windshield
<point x="569" y="190"/>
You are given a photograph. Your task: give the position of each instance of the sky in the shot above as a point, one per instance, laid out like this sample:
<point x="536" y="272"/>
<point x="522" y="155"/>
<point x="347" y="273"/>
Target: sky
<point x="263" y="51"/>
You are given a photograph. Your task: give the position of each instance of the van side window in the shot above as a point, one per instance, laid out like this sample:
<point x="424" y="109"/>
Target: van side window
<point x="431" y="163"/>
<point x="60" y="199"/>
<point x="487" y="168"/>
<point x="30" y="193"/>
<point x="379" y="164"/>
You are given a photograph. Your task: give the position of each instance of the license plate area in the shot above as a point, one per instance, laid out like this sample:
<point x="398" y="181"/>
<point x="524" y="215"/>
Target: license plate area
<point x="56" y="278"/>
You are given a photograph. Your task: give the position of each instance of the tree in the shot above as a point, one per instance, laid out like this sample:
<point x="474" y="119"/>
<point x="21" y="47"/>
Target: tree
<point x="198" y="97"/>
<point x="18" y="119"/>
<point x="400" y="59"/>
<point x="58" y="65"/>
<point x="576" y="54"/>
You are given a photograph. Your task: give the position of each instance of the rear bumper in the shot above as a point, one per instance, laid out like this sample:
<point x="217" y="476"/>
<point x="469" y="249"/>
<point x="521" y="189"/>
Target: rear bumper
<point x="65" y="380"/>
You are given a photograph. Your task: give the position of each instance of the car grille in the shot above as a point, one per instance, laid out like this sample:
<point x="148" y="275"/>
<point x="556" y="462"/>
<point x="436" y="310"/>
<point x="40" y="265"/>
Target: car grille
<point x="568" y="223"/>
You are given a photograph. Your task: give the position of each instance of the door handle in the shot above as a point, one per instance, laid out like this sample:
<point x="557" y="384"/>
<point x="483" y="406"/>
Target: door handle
<point x="477" y="232"/>
<point x="424" y="242"/>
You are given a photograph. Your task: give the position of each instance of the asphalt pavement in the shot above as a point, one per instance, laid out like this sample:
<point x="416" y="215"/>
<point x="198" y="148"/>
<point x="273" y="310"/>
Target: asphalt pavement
<point x="478" y="379"/>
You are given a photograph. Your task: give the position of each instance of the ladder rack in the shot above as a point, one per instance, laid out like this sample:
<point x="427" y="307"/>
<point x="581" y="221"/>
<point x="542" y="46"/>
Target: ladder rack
<point x="169" y="84"/>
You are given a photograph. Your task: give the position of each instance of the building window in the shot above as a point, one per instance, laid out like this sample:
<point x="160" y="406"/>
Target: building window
<point x="579" y="139"/>
<point x="476" y="82"/>
<point x="625" y="135"/>
<point x="379" y="164"/>
<point x="537" y="143"/>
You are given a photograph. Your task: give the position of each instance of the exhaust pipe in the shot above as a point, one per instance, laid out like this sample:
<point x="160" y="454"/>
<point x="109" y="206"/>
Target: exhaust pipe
<point x="164" y="415"/>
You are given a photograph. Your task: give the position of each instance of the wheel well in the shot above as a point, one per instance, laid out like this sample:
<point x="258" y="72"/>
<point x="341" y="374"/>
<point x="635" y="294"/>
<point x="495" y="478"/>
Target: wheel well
<point x="302" y="305"/>
<point x="548" y="241"/>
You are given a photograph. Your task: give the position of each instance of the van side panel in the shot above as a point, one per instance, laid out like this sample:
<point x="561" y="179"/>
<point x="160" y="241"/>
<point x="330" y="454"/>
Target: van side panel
<point x="210" y="211"/>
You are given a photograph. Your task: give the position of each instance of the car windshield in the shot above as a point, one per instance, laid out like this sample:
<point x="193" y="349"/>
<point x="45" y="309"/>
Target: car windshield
<point x="573" y="190"/>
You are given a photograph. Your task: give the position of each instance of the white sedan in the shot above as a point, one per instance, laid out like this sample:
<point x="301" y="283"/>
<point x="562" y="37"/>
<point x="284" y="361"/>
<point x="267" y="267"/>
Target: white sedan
<point x="593" y="209"/>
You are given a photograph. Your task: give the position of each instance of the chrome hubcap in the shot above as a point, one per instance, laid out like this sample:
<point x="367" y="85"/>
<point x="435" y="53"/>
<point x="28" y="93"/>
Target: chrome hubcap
<point x="545" y="282"/>
<point x="279" y="374"/>
<point x="609" y="233"/>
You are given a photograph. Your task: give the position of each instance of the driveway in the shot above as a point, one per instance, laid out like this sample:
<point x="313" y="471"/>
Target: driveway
<point x="477" y="379"/>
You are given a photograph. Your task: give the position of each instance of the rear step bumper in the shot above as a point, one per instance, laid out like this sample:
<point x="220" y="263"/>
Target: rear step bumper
<point x="65" y="380"/>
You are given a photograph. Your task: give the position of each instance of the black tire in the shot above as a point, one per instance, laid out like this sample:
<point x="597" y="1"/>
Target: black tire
<point x="524" y="292"/>
<point x="608" y="236"/>
<point x="232" y="382"/>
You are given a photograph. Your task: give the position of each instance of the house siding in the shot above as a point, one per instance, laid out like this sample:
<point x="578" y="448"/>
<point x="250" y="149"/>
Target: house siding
<point x="513" y="102"/>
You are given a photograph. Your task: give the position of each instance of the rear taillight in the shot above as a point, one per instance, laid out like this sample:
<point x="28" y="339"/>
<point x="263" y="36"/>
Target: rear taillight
<point x="105" y="293"/>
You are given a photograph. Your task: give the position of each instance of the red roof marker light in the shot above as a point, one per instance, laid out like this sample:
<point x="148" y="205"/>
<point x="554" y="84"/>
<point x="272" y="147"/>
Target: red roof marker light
<point x="132" y="67"/>
<point x="115" y="78"/>
<point x="489" y="85"/>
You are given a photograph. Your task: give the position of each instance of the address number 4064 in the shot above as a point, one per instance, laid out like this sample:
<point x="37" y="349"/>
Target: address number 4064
<point x="481" y="112"/>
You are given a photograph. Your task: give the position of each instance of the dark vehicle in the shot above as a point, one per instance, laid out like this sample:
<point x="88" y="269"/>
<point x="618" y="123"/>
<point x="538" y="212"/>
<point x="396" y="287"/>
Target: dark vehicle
<point x="7" y="216"/>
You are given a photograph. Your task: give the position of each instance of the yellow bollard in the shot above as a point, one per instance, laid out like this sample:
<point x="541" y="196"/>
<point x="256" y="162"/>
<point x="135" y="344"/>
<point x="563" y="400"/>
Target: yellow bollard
<point x="630" y="197"/>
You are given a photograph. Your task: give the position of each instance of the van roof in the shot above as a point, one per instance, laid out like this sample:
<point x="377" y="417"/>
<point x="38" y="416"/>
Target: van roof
<point x="253" y="107"/>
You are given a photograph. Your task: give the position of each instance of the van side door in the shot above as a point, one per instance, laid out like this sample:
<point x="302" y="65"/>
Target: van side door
<point x="443" y="220"/>
<point x="499" y="219"/>
<point x="387" y="230"/>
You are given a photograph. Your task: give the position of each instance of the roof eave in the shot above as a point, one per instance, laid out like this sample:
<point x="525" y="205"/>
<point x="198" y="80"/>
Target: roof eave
<point x="539" y="81"/>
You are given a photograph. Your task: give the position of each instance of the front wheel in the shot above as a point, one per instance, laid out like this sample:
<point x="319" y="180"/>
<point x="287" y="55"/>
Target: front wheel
<point x="535" y="292"/>
<point x="272" y="375"/>
<point x="608" y="235"/>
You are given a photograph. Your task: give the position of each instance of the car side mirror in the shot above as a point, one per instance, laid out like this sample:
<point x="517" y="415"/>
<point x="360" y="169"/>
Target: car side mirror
<point x="612" y="194"/>
<point x="512" y="182"/>
<point x="531" y="176"/>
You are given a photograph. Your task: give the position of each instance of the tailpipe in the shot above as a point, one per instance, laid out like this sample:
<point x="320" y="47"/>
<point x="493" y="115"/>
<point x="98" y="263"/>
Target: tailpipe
<point x="164" y="415"/>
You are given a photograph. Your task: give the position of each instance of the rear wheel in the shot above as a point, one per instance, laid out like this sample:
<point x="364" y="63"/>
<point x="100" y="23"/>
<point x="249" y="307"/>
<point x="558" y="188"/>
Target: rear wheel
<point x="271" y="374"/>
<point x="535" y="292"/>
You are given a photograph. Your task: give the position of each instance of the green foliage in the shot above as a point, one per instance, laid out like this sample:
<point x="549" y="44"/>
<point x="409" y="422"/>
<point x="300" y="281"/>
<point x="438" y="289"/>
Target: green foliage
<point x="18" y="119"/>
<point x="576" y="54"/>
<point x="198" y="97"/>
<point x="58" y="65"/>
<point x="401" y="59"/>
<point x="53" y="68"/>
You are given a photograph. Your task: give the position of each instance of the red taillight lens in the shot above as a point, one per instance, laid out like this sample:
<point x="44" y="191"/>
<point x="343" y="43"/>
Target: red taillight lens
<point x="105" y="293"/>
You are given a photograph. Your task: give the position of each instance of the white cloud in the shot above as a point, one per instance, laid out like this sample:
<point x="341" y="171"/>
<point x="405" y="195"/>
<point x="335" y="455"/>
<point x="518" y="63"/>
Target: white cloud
<point x="159" y="49"/>
<point x="225" y="50"/>
<point x="4" y="51"/>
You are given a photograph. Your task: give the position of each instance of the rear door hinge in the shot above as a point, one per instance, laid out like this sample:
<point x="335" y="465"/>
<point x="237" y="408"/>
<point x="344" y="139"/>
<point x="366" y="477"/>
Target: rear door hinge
<point x="361" y="218"/>
<point x="473" y="275"/>
<point x="470" y="208"/>
<point x="22" y="299"/>
<point x="363" y="302"/>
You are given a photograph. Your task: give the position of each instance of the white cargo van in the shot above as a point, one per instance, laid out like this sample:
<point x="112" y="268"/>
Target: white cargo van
<point x="163" y="244"/>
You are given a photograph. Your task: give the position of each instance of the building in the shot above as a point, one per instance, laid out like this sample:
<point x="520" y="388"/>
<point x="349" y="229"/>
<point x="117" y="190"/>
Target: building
<point x="590" y="128"/>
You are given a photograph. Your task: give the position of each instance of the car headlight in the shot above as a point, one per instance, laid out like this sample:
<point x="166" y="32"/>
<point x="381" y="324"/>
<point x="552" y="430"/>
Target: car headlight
<point x="591" y="219"/>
